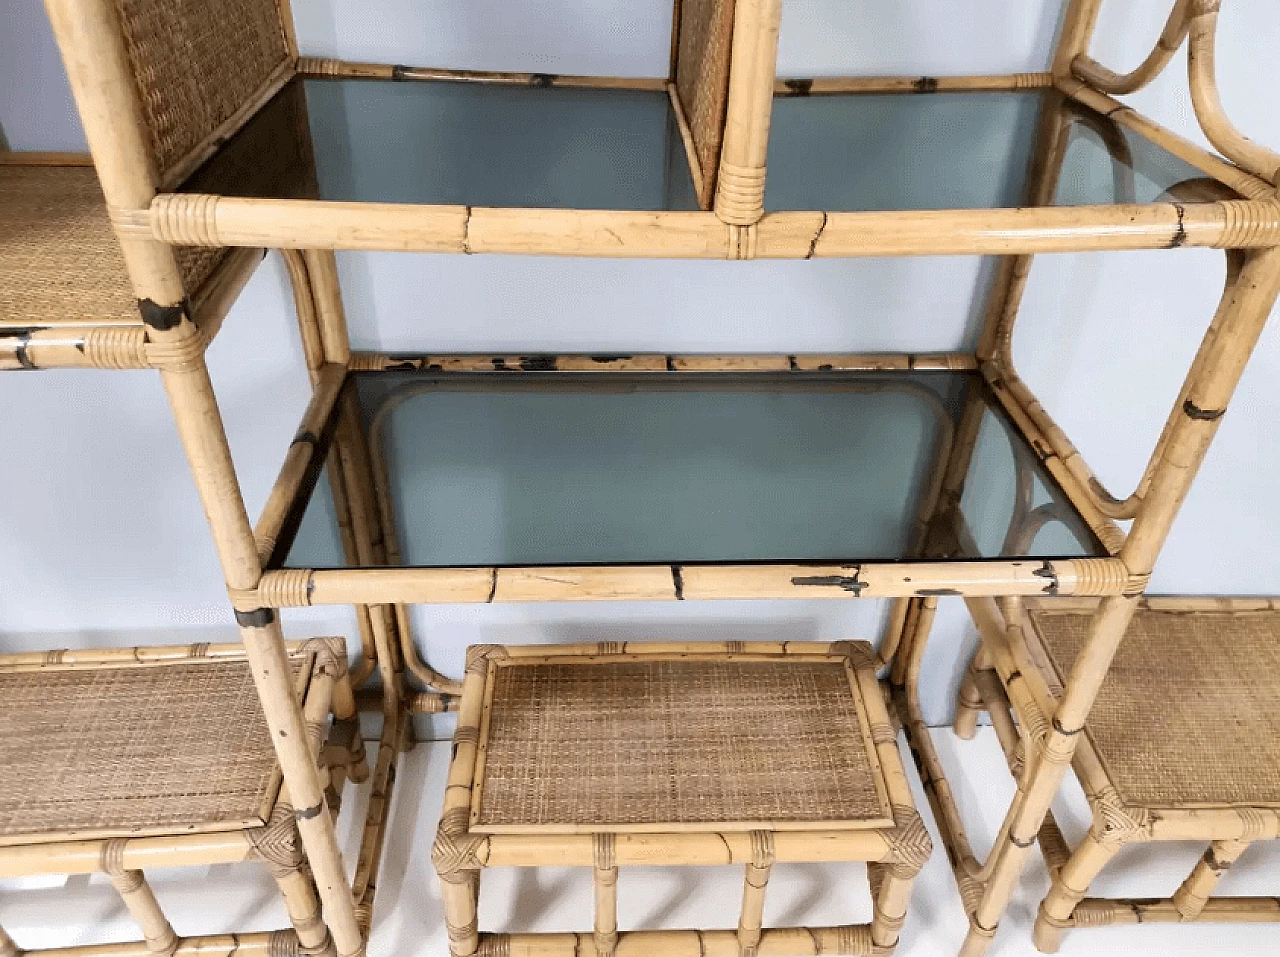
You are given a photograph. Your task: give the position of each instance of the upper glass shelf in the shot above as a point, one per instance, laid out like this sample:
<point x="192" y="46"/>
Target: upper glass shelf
<point x="951" y="150"/>
<point x="503" y="469"/>
<point x="481" y="144"/>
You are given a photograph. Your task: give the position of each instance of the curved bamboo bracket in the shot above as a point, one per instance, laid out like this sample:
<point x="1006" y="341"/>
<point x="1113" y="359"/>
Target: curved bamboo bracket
<point x="1233" y="144"/>
<point x="1099" y="77"/>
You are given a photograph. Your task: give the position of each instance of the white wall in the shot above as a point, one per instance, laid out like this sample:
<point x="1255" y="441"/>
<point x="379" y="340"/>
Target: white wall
<point x="102" y="540"/>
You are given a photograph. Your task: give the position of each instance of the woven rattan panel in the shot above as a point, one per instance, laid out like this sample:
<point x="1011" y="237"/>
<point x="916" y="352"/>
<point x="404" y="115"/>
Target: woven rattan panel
<point x="137" y="749"/>
<point x="702" y="77"/>
<point x="1189" y="713"/>
<point x="675" y="742"/>
<point x="195" y="62"/>
<point x="59" y="259"/>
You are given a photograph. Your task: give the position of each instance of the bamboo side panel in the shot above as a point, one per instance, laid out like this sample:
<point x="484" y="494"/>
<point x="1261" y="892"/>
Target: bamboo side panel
<point x="704" y="36"/>
<point x="197" y="219"/>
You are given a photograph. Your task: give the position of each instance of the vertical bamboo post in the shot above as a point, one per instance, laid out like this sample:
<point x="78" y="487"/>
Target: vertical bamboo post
<point x="1191" y="897"/>
<point x="753" y="887"/>
<point x="278" y="844"/>
<point x="605" y="884"/>
<point x="138" y="899"/>
<point x="1241" y="316"/>
<point x="743" y="153"/>
<point x="889" y="906"/>
<point x="969" y="703"/>
<point x="93" y="52"/>
<point x="1076" y="31"/>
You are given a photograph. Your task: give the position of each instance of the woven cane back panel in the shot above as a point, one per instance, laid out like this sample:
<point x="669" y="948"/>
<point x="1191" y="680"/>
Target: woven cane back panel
<point x="139" y="749"/>
<point x="195" y="62"/>
<point x="663" y="742"/>
<point x="702" y="78"/>
<point x="1189" y="714"/>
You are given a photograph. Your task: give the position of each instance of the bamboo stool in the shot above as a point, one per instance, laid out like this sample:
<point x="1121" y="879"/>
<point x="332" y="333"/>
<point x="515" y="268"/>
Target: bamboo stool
<point x="1180" y="746"/>
<point x="124" y="759"/>
<point x="611" y="755"/>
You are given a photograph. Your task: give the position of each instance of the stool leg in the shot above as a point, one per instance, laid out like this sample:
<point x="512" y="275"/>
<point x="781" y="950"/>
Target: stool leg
<point x="606" y="891"/>
<point x="890" y="895"/>
<point x="1069" y="887"/>
<point x="303" y="906"/>
<point x="461" y="892"/>
<point x="969" y="704"/>
<point x="1190" y="898"/>
<point x="757" y="878"/>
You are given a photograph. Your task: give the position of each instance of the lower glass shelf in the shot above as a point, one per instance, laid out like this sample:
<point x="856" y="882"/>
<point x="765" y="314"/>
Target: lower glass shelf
<point x="654" y="460"/>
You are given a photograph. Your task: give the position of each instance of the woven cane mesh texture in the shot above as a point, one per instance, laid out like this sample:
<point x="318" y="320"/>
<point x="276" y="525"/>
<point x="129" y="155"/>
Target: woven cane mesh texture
<point x="675" y="742"/>
<point x="59" y="258"/>
<point x="1189" y="713"/>
<point x="702" y="77"/>
<point x="120" y="751"/>
<point x="195" y="62"/>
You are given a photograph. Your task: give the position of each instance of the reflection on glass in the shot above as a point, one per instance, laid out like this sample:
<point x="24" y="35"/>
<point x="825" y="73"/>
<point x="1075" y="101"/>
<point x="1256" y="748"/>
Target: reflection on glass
<point x="951" y="151"/>
<point x="549" y="469"/>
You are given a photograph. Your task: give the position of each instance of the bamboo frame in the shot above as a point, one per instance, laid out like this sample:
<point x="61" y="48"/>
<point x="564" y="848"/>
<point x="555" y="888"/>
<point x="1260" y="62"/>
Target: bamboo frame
<point x="324" y="688"/>
<point x="900" y="845"/>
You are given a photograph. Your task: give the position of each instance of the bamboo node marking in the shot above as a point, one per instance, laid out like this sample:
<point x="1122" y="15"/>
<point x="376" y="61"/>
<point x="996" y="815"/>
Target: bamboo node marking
<point x="479" y="656"/>
<point x="186" y="219"/>
<point x="740" y="194"/>
<point x="178" y="354"/>
<point x="283" y="943"/>
<point x="1116" y="824"/>
<point x="909" y="842"/>
<point x="762" y="851"/>
<point x="284" y="588"/>
<point x="277" y="842"/>
<point x="456" y="852"/>
<point x="118" y="347"/>
<point x="111" y="859"/>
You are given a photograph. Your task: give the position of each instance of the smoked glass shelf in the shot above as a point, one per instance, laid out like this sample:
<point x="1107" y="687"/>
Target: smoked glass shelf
<point x="699" y="461"/>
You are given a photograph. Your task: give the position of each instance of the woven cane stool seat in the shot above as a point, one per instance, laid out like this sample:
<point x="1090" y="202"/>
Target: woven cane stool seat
<point x="1189" y="713"/>
<point x="164" y="747"/>
<point x="608" y="755"/>
<point x="1181" y="745"/>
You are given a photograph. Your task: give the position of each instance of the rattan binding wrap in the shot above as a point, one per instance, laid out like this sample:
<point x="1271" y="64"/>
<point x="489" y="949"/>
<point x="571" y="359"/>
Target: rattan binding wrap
<point x="1189" y="711"/>
<point x="675" y="742"/>
<point x="195" y="63"/>
<point x="702" y="81"/>
<point x="59" y="258"/>
<point x="127" y="751"/>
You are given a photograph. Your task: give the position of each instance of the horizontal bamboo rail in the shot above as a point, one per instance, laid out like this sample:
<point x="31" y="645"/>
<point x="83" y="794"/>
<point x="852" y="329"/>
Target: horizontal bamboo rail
<point x="991" y="83"/>
<point x="660" y="362"/>
<point x="278" y="943"/>
<point x="321" y="67"/>
<point x="205" y="220"/>
<point x="291" y="588"/>
<point x="853" y="940"/>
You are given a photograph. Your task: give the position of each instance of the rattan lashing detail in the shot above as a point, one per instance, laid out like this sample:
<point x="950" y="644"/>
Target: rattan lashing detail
<point x="1114" y="823"/>
<point x="479" y="656"/>
<point x="909" y="842"/>
<point x="277" y="842"/>
<point x="455" y="854"/>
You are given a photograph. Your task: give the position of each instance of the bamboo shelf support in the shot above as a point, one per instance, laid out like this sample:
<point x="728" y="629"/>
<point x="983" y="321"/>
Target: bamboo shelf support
<point x="1171" y="37"/>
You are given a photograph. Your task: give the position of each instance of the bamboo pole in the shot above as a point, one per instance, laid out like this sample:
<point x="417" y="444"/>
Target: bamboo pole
<point x="1245" y="305"/>
<point x="1171" y="37"/>
<point x="322" y="67"/>
<point x="1219" y="130"/>
<point x="1078" y="24"/>
<point x="279" y="943"/>
<point x="196" y="219"/>
<point x="851" y="940"/>
<point x="991" y="83"/>
<point x="743" y="152"/>
<point x="93" y="53"/>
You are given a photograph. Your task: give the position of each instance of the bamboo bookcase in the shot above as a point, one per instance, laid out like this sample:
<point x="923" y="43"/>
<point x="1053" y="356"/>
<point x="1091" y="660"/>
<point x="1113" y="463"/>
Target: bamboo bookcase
<point x="164" y="150"/>
<point x="128" y="759"/>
